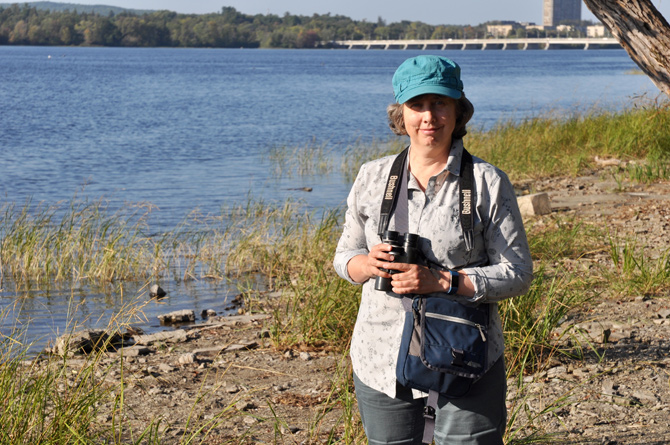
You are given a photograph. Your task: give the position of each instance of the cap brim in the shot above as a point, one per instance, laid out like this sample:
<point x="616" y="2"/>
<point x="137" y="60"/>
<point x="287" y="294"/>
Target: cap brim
<point x="427" y="89"/>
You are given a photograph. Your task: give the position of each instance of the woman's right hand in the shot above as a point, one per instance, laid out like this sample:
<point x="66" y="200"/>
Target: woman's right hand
<point x="363" y="267"/>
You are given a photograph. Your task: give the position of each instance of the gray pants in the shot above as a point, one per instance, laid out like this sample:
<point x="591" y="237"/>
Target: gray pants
<point x="478" y="418"/>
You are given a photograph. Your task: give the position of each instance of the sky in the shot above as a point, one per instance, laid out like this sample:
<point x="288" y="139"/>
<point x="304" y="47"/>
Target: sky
<point x="442" y="12"/>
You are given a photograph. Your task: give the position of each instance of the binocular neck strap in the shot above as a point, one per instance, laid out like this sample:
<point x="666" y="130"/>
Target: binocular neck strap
<point x="467" y="200"/>
<point x="395" y="198"/>
<point x="397" y="180"/>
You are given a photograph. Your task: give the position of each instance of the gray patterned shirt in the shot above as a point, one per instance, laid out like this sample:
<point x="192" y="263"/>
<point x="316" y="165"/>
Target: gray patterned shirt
<point x="499" y="266"/>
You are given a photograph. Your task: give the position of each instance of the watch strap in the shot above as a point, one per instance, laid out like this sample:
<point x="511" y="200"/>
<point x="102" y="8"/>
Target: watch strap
<point x="453" y="285"/>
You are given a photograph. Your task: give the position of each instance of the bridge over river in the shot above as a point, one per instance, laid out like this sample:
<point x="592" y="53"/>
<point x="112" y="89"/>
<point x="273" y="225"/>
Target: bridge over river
<point x="483" y="44"/>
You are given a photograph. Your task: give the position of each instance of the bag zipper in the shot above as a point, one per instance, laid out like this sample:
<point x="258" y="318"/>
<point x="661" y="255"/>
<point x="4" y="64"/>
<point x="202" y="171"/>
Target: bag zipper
<point x="458" y="320"/>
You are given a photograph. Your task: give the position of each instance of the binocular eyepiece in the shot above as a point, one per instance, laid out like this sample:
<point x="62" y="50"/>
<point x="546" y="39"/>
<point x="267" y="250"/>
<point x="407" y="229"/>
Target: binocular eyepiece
<point x="404" y="248"/>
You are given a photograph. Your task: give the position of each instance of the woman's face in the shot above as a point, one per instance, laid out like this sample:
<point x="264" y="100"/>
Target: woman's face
<point x="430" y="120"/>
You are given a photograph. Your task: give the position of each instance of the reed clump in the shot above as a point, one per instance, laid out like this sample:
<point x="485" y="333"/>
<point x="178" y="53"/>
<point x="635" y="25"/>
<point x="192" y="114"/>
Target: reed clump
<point x="83" y="241"/>
<point x="308" y="159"/>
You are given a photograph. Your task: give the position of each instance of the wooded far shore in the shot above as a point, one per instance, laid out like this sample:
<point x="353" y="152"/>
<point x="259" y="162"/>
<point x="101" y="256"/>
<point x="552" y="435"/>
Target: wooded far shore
<point x="40" y="24"/>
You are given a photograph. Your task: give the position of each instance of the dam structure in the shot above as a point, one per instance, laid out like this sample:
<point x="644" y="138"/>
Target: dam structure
<point x="543" y="43"/>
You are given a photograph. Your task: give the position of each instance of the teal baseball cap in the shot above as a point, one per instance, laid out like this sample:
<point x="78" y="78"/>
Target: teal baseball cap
<point x="427" y="75"/>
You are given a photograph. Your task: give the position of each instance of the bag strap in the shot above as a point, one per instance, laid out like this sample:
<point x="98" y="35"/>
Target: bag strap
<point x="466" y="196"/>
<point x="429" y="416"/>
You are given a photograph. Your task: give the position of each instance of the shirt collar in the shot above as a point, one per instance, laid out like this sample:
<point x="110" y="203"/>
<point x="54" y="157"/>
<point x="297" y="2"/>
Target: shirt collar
<point x="455" y="156"/>
<point x="453" y="165"/>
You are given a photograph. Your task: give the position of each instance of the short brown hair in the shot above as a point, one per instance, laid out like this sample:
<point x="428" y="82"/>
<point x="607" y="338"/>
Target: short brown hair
<point x="464" y="112"/>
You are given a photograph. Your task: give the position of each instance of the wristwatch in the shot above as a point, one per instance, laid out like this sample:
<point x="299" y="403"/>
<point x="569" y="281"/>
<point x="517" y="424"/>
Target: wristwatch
<point x="453" y="286"/>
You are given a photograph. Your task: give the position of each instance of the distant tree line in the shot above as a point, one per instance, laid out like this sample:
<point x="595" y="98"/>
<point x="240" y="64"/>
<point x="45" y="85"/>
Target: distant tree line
<point x="33" y="25"/>
<point x="229" y="28"/>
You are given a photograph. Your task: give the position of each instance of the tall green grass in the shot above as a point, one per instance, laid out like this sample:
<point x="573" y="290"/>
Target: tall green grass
<point x="550" y="146"/>
<point x="33" y="410"/>
<point x="80" y="240"/>
<point x="635" y="272"/>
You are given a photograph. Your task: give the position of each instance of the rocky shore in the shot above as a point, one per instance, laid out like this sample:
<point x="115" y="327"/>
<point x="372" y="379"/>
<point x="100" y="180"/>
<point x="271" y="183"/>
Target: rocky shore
<point x="226" y="375"/>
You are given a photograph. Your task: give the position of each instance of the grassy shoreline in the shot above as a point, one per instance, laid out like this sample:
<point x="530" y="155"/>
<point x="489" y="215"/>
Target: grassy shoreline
<point x="293" y="250"/>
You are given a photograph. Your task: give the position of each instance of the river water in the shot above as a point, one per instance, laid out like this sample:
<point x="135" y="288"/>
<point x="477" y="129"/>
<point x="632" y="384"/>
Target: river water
<point x="187" y="129"/>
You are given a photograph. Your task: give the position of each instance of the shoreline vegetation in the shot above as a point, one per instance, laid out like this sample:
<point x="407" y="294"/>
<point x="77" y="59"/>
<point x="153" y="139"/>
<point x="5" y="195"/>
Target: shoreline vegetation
<point x="293" y="250"/>
<point x="48" y="24"/>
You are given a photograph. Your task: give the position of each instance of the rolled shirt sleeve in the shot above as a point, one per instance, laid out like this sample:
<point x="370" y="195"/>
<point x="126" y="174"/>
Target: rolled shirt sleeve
<point x="352" y="242"/>
<point x="510" y="269"/>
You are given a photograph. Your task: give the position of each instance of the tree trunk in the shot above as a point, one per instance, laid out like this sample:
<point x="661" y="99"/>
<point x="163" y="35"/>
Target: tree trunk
<point x="643" y="33"/>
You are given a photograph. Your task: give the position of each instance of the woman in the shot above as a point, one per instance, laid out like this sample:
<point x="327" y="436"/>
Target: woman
<point x="433" y="111"/>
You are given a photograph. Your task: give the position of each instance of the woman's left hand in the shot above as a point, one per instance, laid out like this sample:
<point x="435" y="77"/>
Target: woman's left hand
<point x="414" y="279"/>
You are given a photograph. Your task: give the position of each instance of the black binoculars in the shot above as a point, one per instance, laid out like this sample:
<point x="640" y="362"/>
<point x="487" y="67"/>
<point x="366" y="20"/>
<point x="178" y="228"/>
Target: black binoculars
<point x="404" y="248"/>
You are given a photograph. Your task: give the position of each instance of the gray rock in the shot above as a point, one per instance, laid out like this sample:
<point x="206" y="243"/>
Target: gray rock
<point x="183" y="316"/>
<point x="176" y="336"/>
<point x="164" y="367"/>
<point x="232" y="389"/>
<point x="582" y="373"/>
<point x="207" y="313"/>
<point x="241" y="346"/>
<point x="289" y="429"/>
<point x="85" y="342"/>
<point x="604" y="332"/>
<point x="610" y="388"/>
<point x="535" y="204"/>
<point x="245" y="406"/>
<point x="664" y="313"/>
<point x="155" y="291"/>
<point x="135" y="351"/>
<point x="558" y="371"/>
<point x="645" y="395"/>
<point x="187" y="358"/>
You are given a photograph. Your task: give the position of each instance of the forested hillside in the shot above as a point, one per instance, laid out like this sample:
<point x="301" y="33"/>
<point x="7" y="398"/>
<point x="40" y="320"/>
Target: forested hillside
<point x="97" y="9"/>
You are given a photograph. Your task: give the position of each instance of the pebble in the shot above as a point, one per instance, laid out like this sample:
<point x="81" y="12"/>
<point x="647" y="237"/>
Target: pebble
<point x="245" y="406"/>
<point x="164" y="367"/>
<point x="187" y="358"/>
<point x="289" y="429"/>
<point x="250" y="420"/>
<point x="558" y="371"/>
<point x="232" y="389"/>
<point x="207" y="313"/>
